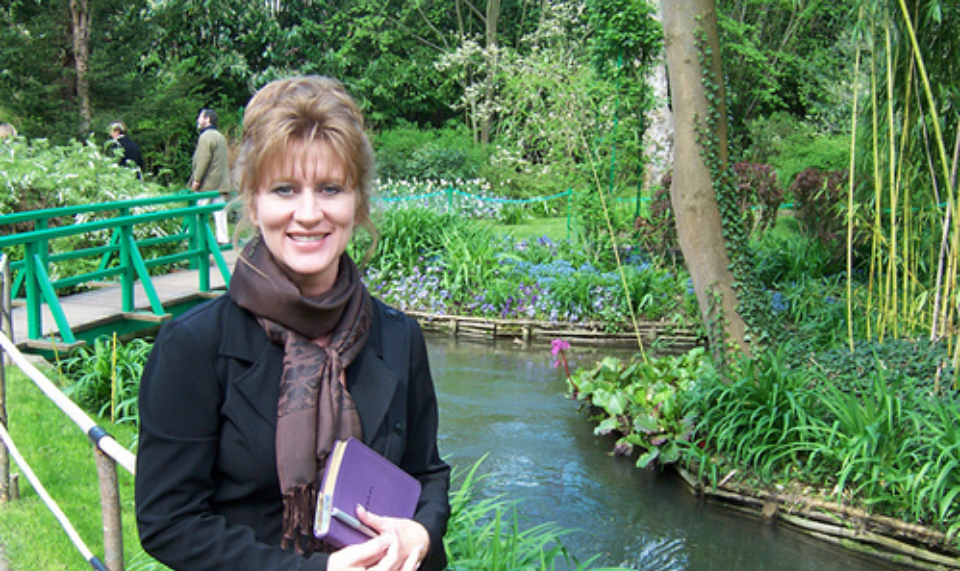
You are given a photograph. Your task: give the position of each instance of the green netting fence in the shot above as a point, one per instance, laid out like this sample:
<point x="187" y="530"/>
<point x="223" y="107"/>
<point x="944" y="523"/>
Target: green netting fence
<point x="452" y="199"/>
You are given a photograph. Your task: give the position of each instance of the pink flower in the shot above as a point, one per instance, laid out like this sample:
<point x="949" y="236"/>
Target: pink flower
<point x="559" y="350"/>
<point x="558" y="346"/>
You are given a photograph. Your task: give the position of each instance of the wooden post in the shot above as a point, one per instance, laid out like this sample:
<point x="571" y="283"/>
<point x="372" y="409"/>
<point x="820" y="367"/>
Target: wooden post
<point x="110" y="507"/>
<point x="6" y="303"/>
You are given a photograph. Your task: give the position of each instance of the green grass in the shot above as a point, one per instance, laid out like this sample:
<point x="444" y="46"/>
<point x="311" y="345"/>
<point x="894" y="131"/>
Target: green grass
<point x="532" y="228"/>
<point x="62" y="457"/>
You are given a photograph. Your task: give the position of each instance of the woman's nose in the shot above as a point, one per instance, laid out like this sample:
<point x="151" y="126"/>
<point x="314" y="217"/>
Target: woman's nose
<point x="308" y="208"/>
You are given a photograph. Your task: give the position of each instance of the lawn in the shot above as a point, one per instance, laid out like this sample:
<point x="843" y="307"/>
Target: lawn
<point x="62" y="457"/>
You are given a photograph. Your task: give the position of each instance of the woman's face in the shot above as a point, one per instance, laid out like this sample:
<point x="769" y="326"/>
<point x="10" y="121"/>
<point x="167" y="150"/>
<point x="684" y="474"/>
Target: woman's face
<point x="306" y="213"/>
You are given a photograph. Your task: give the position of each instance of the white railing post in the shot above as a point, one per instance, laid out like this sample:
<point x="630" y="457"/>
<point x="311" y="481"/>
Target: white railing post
<point x="6" y="327"/>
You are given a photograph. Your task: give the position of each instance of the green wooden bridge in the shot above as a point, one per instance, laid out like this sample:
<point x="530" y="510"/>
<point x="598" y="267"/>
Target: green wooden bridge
<point x="73" y="274"/>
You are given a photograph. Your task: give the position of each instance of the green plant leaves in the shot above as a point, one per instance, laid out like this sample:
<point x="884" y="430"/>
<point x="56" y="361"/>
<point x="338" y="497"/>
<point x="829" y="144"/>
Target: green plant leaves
<point x="105" y="379"/>
<point x="641" y="403"/>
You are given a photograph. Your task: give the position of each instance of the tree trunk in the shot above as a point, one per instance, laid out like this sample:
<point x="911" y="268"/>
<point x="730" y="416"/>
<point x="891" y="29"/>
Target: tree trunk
<point x="80" y="18"/>
<point x="492" y="21"/>
<point x="658" y="137"/>
<point x="693" y="196"/>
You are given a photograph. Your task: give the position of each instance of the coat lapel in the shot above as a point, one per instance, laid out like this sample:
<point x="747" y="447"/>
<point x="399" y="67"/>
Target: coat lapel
<point x="371" y="381"/>
<point x="259" y="362"/>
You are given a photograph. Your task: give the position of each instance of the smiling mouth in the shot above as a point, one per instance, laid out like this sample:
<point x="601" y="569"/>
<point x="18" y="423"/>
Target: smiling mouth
<point x="310" y="238"/>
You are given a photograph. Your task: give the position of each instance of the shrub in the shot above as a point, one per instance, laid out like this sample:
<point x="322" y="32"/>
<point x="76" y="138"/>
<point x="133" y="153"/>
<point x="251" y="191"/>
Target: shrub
<point x="105" y="379"/>
<point x="922" y="364"/>
<point x="35" y="175"/>
<point x="641" y="402"/>
<point x="759" y="195"/>
<point x="818" y="197"/>
<point x="657" y="231"/>
<point x="407" y="152"/>
<point x="781" y="258"/>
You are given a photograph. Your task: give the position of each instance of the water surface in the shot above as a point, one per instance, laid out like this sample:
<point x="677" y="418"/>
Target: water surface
<point x="509" y="402"/>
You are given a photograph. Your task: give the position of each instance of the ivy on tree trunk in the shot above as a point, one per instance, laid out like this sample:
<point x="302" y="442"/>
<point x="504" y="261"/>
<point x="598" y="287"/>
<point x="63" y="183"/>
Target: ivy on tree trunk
<point x="693" y="58"/>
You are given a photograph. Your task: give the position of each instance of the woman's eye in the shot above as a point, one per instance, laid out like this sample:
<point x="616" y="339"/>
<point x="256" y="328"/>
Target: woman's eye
<point x="283" y="190"/>
<point x="330" y="189"/>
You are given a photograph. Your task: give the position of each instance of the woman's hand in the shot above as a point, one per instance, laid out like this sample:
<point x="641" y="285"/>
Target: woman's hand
<point x="381" y="553"/>
<point x="412" y="535"/>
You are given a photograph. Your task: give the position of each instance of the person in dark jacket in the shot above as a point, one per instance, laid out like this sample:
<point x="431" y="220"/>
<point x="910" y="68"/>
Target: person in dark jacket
<point x="131" y="150"/>
<point x="243" y="397"/>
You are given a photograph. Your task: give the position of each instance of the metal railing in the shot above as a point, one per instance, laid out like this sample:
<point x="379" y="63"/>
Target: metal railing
<point x="108" y="454"/>
<point x="120" y="257"/>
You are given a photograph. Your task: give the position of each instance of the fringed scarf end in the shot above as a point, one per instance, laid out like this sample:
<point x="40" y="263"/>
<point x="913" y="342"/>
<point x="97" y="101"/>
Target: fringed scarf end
<point x="299" y="507"/>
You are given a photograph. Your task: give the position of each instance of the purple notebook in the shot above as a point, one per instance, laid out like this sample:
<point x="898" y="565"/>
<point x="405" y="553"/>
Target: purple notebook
<point x="357" y="475"/>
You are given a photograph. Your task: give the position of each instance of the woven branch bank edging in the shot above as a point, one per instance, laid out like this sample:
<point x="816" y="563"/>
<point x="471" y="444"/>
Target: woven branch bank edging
<point x="661" y="336"/>
<point x="879" y="536"/>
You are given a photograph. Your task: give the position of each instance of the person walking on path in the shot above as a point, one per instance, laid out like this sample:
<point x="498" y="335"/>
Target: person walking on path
<point x="211" y="168"/>
<point x="131" y="150"/>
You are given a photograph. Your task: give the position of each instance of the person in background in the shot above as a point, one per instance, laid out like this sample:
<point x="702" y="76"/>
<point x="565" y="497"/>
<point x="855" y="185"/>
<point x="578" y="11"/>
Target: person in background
<point x="243" y="397"/>
<point x="7" y="131"/>
<point x="131" y="150"/>
<point x="211" y="169"/>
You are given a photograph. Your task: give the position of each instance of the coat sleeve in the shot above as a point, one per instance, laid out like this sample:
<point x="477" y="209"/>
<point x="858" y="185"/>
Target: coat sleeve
<point x="422" y="456"/>
<point x="176" y="479"/>
<point x="202" y="156"/>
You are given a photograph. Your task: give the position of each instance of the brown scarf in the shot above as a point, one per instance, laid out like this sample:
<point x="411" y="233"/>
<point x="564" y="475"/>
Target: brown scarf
<point x="315" y="408"/>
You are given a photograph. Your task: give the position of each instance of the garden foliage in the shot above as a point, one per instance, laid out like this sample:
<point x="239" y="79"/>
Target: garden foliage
<point x="875" y="429"/>
<point x="105" y="378"/>
<point x="441" y="261"/>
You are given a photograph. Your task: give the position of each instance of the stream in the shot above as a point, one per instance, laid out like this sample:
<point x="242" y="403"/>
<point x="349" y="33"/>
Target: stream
<point x="509" y="402"/>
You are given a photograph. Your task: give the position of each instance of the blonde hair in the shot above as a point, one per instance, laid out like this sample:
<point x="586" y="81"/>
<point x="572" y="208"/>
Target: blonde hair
<point x="305" y="109"/>
<point x="118" y="127"/>
<point x="7" y="130"/>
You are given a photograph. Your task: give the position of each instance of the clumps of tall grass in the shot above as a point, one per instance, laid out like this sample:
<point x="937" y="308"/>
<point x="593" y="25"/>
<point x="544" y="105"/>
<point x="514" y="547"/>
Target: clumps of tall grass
<point x="448" y="264"/>
<point x="489" y="534"/>
<point x="104" y="379"/>
<point x="886" y="443"/>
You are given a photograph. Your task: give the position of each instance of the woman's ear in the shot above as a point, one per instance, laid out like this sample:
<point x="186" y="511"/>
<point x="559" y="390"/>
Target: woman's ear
<point x="251" y="211"/>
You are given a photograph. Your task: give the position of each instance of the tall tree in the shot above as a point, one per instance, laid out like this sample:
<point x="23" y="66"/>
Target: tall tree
<point x="700" y="144"/>
<point x="80" y="32"/>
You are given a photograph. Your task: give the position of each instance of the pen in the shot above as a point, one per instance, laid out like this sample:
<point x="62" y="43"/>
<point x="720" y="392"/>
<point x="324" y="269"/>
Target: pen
<point x="352" y="522"/>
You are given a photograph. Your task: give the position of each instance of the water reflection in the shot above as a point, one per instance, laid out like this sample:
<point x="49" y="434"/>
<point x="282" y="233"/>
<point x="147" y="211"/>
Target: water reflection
<point x="509" y="402"/>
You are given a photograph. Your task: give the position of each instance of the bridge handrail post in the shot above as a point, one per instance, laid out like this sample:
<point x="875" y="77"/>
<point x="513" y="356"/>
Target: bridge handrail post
<point x="194" y="223"/>
<point x="127" y="273"/>
<point x="31" y="288"/>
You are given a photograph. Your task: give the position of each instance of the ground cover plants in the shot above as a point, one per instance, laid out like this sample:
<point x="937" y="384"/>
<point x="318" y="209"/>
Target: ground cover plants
<point x="448" y="259"/>
<point x="875" y="435"/>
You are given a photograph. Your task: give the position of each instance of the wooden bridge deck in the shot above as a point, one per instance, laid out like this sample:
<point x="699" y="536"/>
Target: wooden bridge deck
<point x="103" y="305"/>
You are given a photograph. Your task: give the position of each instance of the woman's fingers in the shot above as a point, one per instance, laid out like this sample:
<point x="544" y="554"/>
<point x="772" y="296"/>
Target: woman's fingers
<point x="413" y="560"/>
<point x="410" y="534"/>
<point x="362" y="555"/>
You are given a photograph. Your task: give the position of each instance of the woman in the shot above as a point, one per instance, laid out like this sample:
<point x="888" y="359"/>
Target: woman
<point x="243" y="397"/>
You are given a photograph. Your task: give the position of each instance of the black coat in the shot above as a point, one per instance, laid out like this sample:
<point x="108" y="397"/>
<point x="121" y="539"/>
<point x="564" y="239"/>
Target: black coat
<point x="131" y="152"/>
<point x="207" y="491"/>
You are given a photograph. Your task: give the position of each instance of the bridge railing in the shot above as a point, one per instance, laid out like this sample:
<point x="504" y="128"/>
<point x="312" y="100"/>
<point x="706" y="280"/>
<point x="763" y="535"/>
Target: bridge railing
<point x="120" y="257"/>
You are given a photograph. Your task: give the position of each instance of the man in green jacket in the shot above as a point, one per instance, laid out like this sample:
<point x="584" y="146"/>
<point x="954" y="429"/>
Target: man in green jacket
<point x="211" y="168"/>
